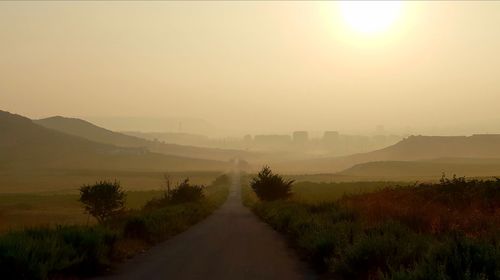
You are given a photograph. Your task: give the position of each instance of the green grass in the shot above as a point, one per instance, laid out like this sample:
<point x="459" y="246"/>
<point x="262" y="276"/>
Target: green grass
<point x="69" y="251"/>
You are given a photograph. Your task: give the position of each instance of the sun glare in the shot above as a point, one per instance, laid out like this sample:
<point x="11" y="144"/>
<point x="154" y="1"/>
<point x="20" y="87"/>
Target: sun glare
<point x="370" y="17"/>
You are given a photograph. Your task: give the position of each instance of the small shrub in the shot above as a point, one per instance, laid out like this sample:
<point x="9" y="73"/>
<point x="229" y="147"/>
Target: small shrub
<point x="183" y="193"/>
<point x="103" y="199"/>
<point x="186" y="192"/>
<point x="268" y="186"/>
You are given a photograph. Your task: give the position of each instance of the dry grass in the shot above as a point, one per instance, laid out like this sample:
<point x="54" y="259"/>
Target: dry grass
<point x="469" y="206"/>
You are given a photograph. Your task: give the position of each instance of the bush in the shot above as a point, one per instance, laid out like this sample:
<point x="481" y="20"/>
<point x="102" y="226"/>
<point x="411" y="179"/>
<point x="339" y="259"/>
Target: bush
<point x="268" y="186"/>
<point x="183" y="193"/>
<point x="103" y="199"/>
<point x="186" y="192"/>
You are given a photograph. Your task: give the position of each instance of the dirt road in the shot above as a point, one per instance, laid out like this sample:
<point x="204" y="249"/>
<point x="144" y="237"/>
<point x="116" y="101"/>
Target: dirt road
<point x="230" y="244"/>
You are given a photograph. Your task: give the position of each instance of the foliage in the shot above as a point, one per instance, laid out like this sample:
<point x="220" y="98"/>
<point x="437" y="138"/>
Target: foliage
<point x="103" y="199"/>
<point x="186" y="192"/>
<point x="269" y="186"/>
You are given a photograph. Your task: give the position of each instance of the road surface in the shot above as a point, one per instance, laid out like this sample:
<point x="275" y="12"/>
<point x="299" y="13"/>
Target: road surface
<point x="232" y="243"/>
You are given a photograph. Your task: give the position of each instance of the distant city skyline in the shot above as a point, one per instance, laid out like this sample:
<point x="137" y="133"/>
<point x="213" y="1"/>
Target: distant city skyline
<point x="205" y="127"/>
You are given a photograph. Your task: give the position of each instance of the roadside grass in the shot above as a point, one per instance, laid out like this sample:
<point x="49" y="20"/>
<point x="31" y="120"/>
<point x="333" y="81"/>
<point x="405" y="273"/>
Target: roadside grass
<point x="390" y="233"/>
<point x="142" y="228"/>
<point x="76" y="250"/>
<point x="320" y="192"/>
<point x="39" y="253"/>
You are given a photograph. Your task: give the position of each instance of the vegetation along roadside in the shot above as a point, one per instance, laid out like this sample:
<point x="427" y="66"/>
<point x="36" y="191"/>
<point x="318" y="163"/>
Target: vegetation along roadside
<point x="445" y="230"/>
<point x="67" y="251"/>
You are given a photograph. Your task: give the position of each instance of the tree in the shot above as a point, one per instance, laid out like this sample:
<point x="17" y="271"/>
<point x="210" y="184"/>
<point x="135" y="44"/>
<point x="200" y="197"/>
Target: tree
<point x="268" y="186"/>
<point x="103" y="199"/>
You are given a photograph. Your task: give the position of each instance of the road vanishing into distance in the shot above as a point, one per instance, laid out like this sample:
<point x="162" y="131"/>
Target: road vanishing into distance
<point x="232" y="243"/>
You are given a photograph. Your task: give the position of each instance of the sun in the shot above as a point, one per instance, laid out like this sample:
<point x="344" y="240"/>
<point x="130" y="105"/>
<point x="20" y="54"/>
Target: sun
<point x="370" y="17"/>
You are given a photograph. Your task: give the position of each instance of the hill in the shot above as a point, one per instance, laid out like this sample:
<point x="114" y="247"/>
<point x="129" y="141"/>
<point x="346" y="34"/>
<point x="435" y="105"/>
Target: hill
<point x="87" y="130"/>
<point x="424" y="169"/>
<point x="24" y="144"/>
<point x="413" y="148"/>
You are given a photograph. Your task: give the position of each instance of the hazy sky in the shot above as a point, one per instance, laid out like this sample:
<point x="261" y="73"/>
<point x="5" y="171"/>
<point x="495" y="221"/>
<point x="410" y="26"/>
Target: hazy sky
<point x="252" y="66"/>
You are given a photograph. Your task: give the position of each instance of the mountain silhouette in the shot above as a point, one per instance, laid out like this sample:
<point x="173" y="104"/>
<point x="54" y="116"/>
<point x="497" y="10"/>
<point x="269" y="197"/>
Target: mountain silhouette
<point x="432" y="169"/>
<point x="87" y="130"/>
<point x="413" y="148"/>
<point x="25" y="144"/>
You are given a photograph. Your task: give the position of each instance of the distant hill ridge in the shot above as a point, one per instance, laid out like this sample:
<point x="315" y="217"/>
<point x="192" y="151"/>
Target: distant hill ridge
<point x="25" y="144"/>
<point x="413" y="148"/>
<point x="398" y="170"/>
<point x="84" y="129"/>
<point x="428" y="147"/>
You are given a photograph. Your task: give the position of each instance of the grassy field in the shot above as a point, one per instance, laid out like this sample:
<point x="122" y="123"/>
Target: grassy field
<point x="446" y="230"/>
<point x="66" y="251"/>
<point x="48" y="197"/>
<point x="57" y="181"/>
<point x="325" y="192"/>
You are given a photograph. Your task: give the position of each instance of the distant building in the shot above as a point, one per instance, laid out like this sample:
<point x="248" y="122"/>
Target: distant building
<point x="331" y="136"/>
<point x="300" y="136"/>
<point x="247" y="138"/>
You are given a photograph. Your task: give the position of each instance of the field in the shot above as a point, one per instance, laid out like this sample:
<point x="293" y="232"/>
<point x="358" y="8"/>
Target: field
<point x="48" y="197"/>
<point x="445" y="230"/>
<point x="28" y="210"/>
<point x="68" y="181"/>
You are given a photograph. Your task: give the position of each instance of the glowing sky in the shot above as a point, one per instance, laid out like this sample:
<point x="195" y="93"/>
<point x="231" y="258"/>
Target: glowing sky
<point x="252" y="66"/>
